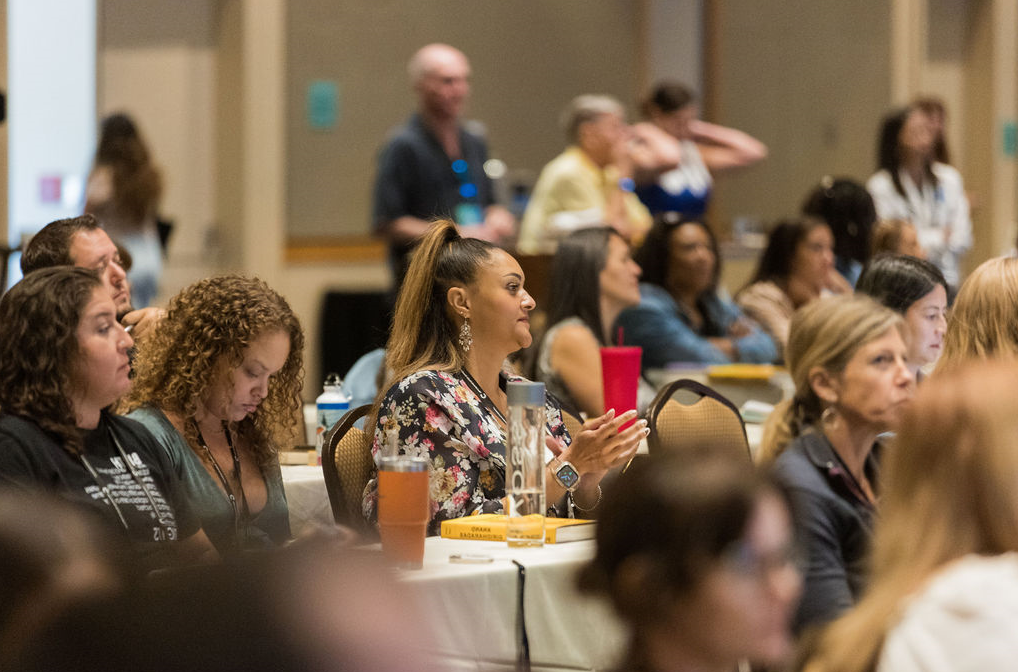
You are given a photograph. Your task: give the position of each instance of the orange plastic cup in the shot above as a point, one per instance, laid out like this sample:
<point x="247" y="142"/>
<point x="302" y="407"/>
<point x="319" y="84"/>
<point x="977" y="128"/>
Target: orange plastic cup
<point x="620" y="375"/>
<point x="403" y="509"/>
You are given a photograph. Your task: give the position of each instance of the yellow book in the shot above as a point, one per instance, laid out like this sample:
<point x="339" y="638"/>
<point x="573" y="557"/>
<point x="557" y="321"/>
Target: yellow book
<point x="492" y="527"/>
<point x="747" y="372"/>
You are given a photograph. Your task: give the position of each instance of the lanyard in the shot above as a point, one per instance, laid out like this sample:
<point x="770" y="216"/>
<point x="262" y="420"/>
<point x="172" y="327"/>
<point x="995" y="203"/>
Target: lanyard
<point x="476" y="389"/>
<point x="240" y="513"/>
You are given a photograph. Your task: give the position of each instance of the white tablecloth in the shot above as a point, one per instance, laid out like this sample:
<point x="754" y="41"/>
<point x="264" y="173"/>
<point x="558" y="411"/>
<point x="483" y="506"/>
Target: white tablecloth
<point x="306" y="498"/>
<point x="473" y="607"/>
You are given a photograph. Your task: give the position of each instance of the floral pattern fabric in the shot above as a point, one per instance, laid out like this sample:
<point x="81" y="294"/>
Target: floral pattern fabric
<point x="435" y="414"/>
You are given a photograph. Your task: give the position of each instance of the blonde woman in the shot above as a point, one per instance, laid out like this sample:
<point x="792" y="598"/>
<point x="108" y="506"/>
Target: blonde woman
<point x="847" y="357"/>
<point x="944" y="588"/>
<point x="984" y="318"/>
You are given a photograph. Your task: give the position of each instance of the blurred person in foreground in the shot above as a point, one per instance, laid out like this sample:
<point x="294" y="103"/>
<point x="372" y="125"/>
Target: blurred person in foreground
<point x="53" y="556"/>
<point x="847" y="357"/>
<point x="63" y="364"/>
<point x="82" y="242"/>
<point x="461" y="312"/>
<point x="944" y="588"/>
<point x="218" y="386"/>
<point x="697" y="554"/>
<point x="310" y="606"/>
<point x="432" y="167"/>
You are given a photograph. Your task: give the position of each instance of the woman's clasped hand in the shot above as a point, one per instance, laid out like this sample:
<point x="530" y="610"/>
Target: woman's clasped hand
<point x="600" y="447"/>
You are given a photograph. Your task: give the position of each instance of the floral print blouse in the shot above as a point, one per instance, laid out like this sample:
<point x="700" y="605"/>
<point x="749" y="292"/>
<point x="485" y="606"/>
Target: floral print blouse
<point x="436" y="414"/>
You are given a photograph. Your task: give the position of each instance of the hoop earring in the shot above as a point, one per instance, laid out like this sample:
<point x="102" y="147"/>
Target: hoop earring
<point x="827" y="417"/>
<point x="466" y="339"/>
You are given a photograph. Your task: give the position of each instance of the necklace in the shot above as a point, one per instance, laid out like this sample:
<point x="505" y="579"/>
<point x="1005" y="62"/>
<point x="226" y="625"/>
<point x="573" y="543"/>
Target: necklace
<point x="104" y="487"/>
<point x="241" y="513"/>
<point x="476" y="389"/>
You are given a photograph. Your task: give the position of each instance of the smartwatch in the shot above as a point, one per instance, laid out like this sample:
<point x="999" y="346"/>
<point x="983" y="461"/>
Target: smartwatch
<point x="565" y="474"/>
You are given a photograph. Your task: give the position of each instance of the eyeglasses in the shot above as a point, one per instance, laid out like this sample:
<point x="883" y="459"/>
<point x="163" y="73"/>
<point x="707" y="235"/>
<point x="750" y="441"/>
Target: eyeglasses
<point x="741" y="558"/>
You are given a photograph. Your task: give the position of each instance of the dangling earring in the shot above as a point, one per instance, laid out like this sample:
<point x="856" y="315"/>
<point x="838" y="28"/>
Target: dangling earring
<point x="827" y="417"/>
<point x="466" y="339"/>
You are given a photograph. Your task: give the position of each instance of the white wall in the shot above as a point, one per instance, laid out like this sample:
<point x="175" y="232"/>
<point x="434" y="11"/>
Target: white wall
<point x="157" y="63"/>
<point x="675" y="42"/>
<point x="51" y="107"/>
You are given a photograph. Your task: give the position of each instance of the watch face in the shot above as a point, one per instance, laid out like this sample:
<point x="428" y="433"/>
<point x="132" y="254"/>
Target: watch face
<point x="567" y="476"/>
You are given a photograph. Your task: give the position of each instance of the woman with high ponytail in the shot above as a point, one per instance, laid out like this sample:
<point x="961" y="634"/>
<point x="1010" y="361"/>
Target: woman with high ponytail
<point x="847" y="358"/>
<point x="461" y="311"/>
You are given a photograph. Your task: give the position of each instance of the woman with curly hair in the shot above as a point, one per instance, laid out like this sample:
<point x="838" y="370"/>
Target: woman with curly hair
<point x="219" y="386"/>
<point x="63" y="363"/>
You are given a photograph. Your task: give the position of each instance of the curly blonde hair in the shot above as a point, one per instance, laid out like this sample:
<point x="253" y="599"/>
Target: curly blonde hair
<point x="204" y="335"/>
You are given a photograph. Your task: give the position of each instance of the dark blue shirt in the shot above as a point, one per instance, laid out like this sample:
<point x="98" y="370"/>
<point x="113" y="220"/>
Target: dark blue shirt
<point x="416" y="179"/>
<point x="835" y="521"/>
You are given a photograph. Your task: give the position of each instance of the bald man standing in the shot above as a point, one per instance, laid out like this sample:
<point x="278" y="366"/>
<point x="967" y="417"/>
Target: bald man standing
<point x="432" y="167"/>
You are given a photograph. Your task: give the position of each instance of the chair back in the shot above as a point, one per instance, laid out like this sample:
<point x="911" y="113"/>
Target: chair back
<point x="711" y="424"/>
<point x="573" y="423"/>
<point x="348" y="466"/>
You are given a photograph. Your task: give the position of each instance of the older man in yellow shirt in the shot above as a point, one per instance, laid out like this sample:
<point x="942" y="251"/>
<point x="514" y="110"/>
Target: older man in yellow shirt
<point x="591" y="182"/>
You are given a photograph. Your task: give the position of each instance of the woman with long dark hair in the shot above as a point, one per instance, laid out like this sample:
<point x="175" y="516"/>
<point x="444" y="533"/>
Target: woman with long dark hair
<point x="593" y="279"/>
<point x="848" y="209"/>
<point x="123" y="192"/>
<point x="794" y="269"/>
<point x="682" y="316"/>
<point x="911" y="184"/>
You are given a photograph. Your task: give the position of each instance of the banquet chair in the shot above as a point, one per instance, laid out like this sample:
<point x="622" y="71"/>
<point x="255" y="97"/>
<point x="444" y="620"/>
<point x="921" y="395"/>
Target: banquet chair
<point x="573" y="423"/>
<point x="347" y="465"/>
<point x="711" y="423"/>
